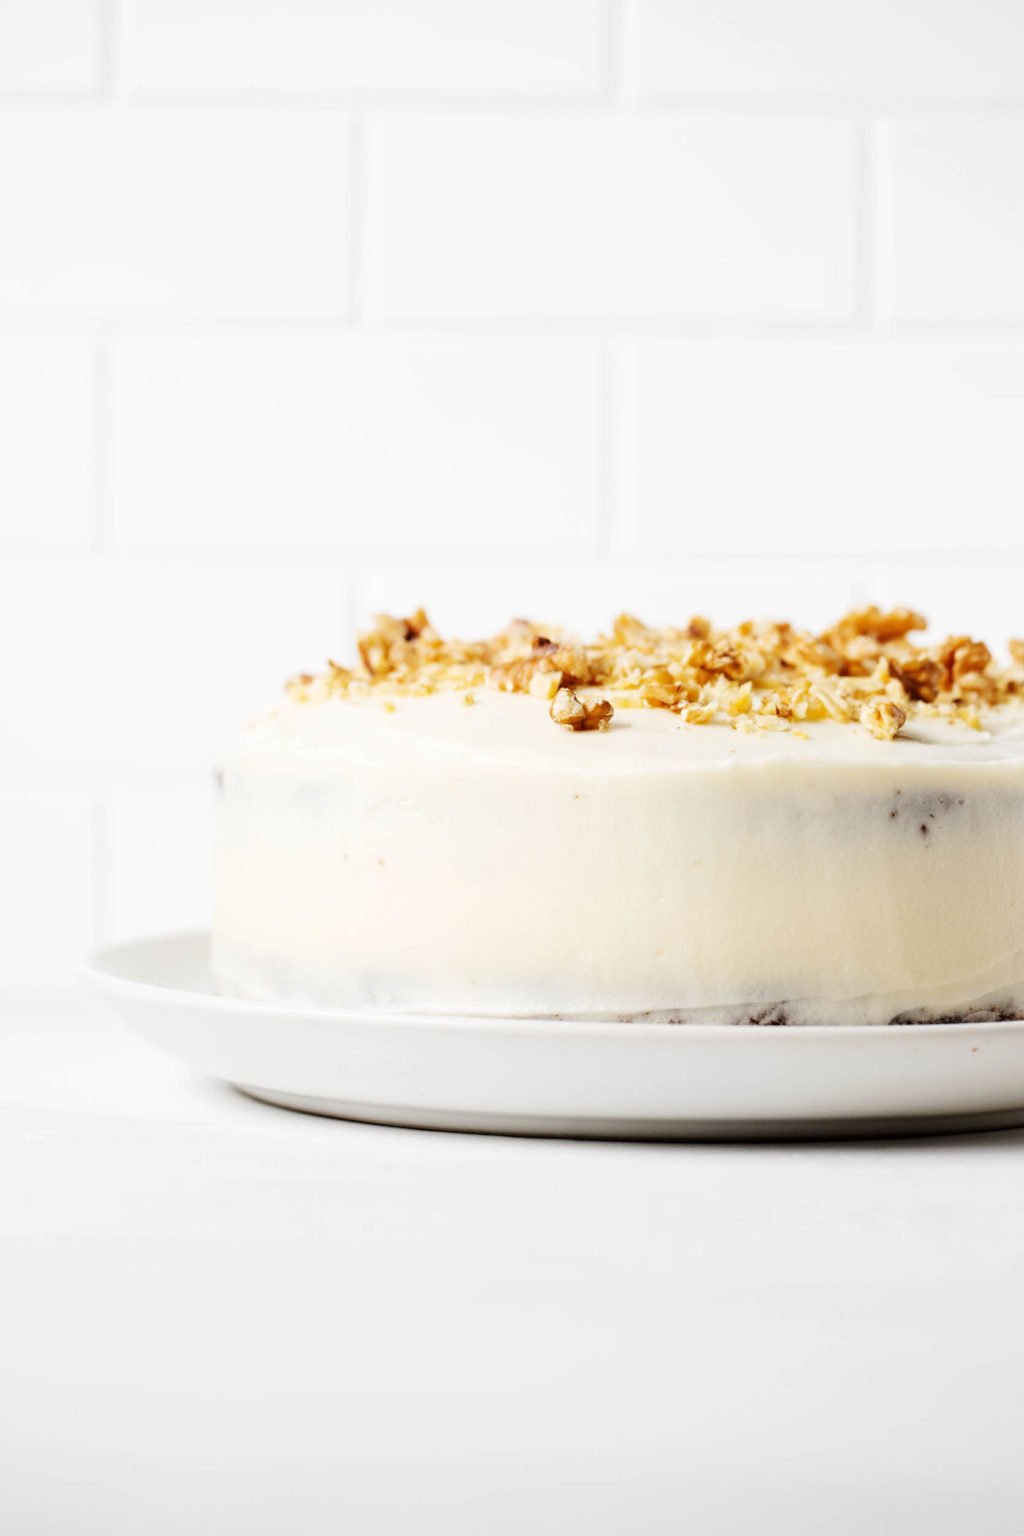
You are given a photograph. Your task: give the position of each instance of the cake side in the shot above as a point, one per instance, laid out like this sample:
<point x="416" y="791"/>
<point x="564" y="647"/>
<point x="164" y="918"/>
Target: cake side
<point x="384" y="844"/>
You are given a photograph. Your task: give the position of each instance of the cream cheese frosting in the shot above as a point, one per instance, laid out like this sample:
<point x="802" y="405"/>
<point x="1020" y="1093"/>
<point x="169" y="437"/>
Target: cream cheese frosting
<point x="388" y="848"/>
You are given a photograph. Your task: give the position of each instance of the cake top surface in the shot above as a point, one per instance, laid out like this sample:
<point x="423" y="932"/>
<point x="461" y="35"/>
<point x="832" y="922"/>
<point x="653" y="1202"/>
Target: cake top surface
<point x="513" y="730"/>
<point x="759" y="677"/>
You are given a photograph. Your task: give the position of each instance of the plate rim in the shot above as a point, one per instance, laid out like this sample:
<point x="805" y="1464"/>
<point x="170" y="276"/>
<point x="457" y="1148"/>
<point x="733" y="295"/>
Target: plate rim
<point x="100" y="971"/>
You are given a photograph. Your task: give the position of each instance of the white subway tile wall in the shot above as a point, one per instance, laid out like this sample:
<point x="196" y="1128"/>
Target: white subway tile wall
<point x="268" y="440"/>
<point x="310" y="307"/>
<point x="48" y="450"/>
<point x="157" y="850"/>
<point x="119" y="670"/>
<point x="46" y="886"/>
<point x="459" y="47"/>
<point x="855" y="50"/>
<point x="49" y="45"/>
<point x="881" y="445"/>
<point x="115" y="212"/>
<point x="952" y="217"/>
<point x="581" y="216"/>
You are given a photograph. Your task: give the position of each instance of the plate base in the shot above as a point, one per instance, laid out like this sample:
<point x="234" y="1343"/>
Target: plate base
<point x="592" y="1128"/>
<point x="578" y="1079"/>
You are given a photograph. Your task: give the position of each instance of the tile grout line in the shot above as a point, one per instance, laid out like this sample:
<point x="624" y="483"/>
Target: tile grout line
<point x="494" y="325"/>
<point x="358" y="587"/>
<point x="351" y="588"/>
<point x="608" y="530"/>
<point x="109" y="48"/>
<point x="100" y="873"/>
<point x="102" y="441"/>
<point x="716" y="106"/>
<point x="619" y="327"/>
<point x="864" y="228"/>
<point x="867" y="275"/>
<point x="241" y="561"/>
<point x="355" y="222"/>
<point x="625" y="489"/>
<point x="612" y="62"/>
<point x="882" y="252"/>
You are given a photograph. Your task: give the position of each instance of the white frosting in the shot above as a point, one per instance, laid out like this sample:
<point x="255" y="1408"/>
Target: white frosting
<point x="436" y="857"/>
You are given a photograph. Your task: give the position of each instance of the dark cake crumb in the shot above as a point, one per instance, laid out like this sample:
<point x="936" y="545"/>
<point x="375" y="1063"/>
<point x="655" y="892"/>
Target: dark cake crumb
<point x="772" y="1017"/>
<point x="995" y="1013"/>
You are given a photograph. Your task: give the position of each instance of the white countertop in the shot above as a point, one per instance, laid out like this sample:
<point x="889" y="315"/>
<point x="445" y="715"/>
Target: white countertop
<point x="221" y="1317"/>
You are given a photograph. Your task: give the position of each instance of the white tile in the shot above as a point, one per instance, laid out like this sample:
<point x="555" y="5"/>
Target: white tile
<point x="132" y="668"/>
<point x="262" y="440"/>
<point x="592" y="216"/>
<point x="792" y="447"/>
<point x="876" y="48"/>
<point x="159" y="212"/>
<point x="48" y="45"/>
<point x="159" y="850"/>
<point x="454" y="46"/>
<point x="46" y="884"/>
<point x="953" y="218"/>
<point x="47" y="440"/>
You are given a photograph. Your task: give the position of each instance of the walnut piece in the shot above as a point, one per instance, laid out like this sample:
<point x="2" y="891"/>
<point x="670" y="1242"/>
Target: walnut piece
<point x="972" y="656"/>
<point x="921" y="677"/>
<point x="518" y="676"/>
<point x="883" y="718"/>
<point x="877" y="625"/>
<point x="570" y="711"/>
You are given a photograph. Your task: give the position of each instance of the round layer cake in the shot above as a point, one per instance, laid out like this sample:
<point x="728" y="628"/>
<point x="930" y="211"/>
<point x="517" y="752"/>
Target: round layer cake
<point x="753" y="826"/>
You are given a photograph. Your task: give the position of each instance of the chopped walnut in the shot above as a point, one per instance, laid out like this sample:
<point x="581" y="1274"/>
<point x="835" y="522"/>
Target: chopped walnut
<point x="972" y="656"/>
<point x="297" y="687"/>
<point x="518" y="676"/>
<point x="379" y="647"/>
<point x="755" y="676"/>
<point x="599" y="715"/>
<point x="876" y="624"/>
<point x="628" y="631"/>
<point x="662" y="695"/>
<point x="921" y="677"/>
<point x="780" y="706"/>
<point x="741" y="701"/>
<point x="830" y="703"/>
<point x="883" y="718"/>
<point x="544" y="685"/>
<point x="573" y="663"/>
<point x="416" y="625"/>
<point x="726" y="660"/>
<point x="570" y="711"/>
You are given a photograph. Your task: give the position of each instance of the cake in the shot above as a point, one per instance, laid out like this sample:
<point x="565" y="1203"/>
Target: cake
<point x="757" y="825"/>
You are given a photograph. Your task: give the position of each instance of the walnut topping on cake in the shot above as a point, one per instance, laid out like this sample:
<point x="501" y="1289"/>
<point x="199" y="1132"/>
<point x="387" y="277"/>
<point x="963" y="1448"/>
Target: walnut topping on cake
<point x="883" y="718"/>
<point x="568" y="709"/>
<point x="759" y="675"/>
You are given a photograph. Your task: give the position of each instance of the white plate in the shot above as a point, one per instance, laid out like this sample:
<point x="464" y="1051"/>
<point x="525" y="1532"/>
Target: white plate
<point x="529" y="1077"/>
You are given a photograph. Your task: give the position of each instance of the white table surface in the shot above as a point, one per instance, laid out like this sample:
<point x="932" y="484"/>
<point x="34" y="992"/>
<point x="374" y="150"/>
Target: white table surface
<point x="221" y="1317"/>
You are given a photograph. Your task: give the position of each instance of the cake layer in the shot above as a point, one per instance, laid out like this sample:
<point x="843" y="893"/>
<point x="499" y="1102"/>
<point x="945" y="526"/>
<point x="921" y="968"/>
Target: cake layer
<point x="416" y="853"/>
